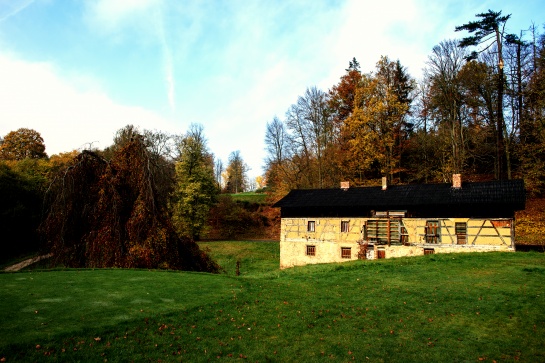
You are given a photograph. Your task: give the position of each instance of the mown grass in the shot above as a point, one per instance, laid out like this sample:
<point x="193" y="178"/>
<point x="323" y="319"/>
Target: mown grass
<point x="250" y="197"/>
<point x="470" y="307"/>
<point x="255" y="258"/>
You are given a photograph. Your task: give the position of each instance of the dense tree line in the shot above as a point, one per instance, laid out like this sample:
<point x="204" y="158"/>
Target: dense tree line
<point x="141" y="202"/>
<point x="478" y="110"/>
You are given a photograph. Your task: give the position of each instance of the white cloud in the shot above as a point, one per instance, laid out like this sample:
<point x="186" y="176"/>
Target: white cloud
<point x="111" y="15"/>
<point x="34" y="96"/>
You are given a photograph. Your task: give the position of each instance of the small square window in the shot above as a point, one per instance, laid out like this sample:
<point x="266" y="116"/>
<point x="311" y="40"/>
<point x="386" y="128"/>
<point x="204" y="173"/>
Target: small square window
<point x="345" y="226"/>
<point x="346" y="252"/>
<point x="311" y="250"/>
<point x="311" y="226"/>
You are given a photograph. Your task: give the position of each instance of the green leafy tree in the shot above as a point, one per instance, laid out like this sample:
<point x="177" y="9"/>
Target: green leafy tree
<point x="22" y="144"/>
<point x="196" y="189"/>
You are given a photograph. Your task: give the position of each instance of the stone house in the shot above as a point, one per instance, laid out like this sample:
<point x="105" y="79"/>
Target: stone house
<point x="336" y="225"/>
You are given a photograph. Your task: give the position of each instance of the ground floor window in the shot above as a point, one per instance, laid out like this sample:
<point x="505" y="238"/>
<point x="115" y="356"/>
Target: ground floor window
<point x="429" y="251"/>
<point x="381" y="253"/>
<point x="346" y="252"/>
<point x="311" y="226"/>
<point x="433" y="232"/>
<point x="311" y="250"/>
<point x="461" y="232"/>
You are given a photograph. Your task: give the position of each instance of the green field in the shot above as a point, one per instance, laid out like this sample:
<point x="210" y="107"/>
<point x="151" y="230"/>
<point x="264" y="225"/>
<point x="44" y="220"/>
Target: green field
<point x="250" y="197"/>
<point x="463" y="307"/>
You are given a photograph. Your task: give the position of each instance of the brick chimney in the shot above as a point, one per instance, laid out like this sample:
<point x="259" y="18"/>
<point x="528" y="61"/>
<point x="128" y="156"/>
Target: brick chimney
<point x="457" y="181"/>
<point x="345" y="185"/>
<point x="384" y="183"/>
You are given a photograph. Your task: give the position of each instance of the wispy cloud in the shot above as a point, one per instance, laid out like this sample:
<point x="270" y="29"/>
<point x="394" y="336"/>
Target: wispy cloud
<point x="9" y="8"/>
<point x="141" y="19"/>
<point x="168" y="67"/>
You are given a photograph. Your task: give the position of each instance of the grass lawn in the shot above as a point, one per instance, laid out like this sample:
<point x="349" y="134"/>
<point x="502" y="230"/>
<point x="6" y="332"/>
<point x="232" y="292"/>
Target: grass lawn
<point x="463" y="307"/>
<point x="250" y="197"/>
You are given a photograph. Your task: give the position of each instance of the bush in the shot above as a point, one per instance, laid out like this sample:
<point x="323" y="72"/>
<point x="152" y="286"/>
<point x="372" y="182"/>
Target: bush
<point x="20" y="212"/>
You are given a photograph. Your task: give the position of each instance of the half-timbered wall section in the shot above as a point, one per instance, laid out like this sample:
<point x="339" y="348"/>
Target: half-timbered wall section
<point x="368" y="223"/>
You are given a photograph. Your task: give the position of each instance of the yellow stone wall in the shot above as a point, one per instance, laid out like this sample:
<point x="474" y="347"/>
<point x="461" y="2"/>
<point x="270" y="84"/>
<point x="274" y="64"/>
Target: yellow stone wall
<point x="328" y="239"/>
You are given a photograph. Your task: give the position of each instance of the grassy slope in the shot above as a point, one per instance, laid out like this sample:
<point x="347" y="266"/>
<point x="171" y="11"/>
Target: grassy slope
<point x="250" y="197"/>
<point x="432" y="308"/>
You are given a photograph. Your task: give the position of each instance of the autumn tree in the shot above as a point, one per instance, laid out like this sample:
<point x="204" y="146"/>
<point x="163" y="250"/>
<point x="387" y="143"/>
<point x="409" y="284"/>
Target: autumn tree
<point x="489" y="30"/>
<point x="162" y="151"/>
<point x="341" y="104"/>
<point x="376" y="126"/>
<point x="236" y="174"/>
<point x="196" y="189"/>
<point x="109" y="213"/>
<point x="532" y="148"/>
<point x="342" y="95"/>
<point x="22" y="144"/>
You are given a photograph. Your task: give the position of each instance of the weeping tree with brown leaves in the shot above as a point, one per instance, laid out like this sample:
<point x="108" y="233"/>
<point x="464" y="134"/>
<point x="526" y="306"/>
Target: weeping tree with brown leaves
<point x="109" y="213"/>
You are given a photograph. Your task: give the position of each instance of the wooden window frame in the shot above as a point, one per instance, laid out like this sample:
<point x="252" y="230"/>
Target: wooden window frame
<point x="346" y="252"/>
<point x="311" y="226"/>
<point x="345" y="226"/>
<point x="435" y="237"/>
<point x="460" y="229"/>
<point x="311" y="250"/>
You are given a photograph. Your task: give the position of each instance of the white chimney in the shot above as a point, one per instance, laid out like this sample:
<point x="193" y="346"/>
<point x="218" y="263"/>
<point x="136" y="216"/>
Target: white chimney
<point x="384" y="183"/>
<point x="345" y="185"/>
<point x="457" y="181"/>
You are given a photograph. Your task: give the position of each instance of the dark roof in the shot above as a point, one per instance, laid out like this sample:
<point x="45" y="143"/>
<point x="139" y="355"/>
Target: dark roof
<point x="493" y="193"/>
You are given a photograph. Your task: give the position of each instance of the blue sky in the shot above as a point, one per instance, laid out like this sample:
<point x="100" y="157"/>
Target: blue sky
<point x="77" y="71"/>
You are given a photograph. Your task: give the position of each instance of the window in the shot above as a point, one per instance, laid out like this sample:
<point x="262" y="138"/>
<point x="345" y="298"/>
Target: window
<point x="345" y="226"/>
<point x="376" y="231"/>
<point x="311" y="250"/>
<point x="433" y="232"/>
<point x="381" y="253"/>
<point x="461" y="232"/>
<point x="390" y="231"/>
<point x="311" y="226"/>
<point x="429" y="251"/>
<point x="346" y="252"/>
